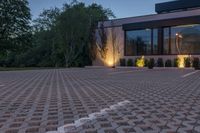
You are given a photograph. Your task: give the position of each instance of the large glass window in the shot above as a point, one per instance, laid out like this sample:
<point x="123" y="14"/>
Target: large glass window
<point x="185" y="39"/>
<point x="166" y="40"/>
<point x="155" y="41"/>
<point x="138" y="42"/>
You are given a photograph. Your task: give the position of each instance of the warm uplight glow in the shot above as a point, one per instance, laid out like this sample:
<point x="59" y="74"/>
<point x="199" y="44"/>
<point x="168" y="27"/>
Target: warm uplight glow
<point x="140" y="62"/>
<point x="181" y="62"/>
<point x="110" y="63"/>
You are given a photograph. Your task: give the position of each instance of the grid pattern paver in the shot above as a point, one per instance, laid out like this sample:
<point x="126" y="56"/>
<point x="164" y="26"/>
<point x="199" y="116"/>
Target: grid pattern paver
<point x="161" y="101"/>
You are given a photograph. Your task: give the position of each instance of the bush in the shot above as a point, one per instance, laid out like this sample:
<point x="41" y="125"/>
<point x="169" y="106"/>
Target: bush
<point x="176" y="60"/>
<point x="168" y="63"/>
<point x="195" y="63"/>
<point x="151" y="63"/>
<point x="140" y="62"/>
<point x="160" y="62"/>
<point x="130" y="62"/>
<point x="136" y="61"/>
<point x="187" y="62"/>
<point x="122" y="62"/>
<point x="146" y="63"/>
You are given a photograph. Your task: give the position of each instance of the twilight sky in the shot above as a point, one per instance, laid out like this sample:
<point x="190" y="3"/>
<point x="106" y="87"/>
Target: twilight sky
<point x="121" y="8"/>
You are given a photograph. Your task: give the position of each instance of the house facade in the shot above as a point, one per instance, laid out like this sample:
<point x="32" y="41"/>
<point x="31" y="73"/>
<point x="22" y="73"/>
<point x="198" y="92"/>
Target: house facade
<point x="173" y="32"/>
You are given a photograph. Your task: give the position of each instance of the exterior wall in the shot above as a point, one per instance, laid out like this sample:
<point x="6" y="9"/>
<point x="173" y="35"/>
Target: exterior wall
<point x="119" y="51"/>
<point x="119" y="48"/>
<point x="116" y="27"/>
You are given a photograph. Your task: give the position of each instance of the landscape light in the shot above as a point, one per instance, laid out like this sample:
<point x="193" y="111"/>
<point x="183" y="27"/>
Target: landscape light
<point x="181" y="60"/>
<point x="140" y="62"/>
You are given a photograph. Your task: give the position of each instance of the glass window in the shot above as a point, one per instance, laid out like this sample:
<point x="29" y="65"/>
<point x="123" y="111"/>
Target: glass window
<point x="185" y="39"/>
<point x="138" y="42"/>
<point x="166" y="40"/>
<point x="155" y="41"/>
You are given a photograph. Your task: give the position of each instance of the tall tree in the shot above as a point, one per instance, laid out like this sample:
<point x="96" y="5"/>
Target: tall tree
<point x="76" y="26"/>
<point x="45" y="41"/>
<point x="46" y="20"/>
<point x="14" y="25"/>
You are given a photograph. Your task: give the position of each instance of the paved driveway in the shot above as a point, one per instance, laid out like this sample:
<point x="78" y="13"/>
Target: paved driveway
<point x="39" y="101"/>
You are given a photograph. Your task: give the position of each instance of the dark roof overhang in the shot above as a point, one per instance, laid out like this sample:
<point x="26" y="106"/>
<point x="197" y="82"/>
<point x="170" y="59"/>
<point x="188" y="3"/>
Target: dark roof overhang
<point x="162" y="23"/>
<point x="177" y="5"/>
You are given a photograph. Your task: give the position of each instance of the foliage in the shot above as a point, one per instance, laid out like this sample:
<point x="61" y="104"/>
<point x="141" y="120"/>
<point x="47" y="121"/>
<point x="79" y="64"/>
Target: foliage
<point x="176" y="62"/>
<point x="146" y="62"/>
<point x="168" y="63"/>
<point x="140" y="62"/>
<point x="160" y="62"/>
<point x="196" y="63"/>
<point x="75" y="36"/>
<point x="129" y="62"/>
<point x="57" y="38"/>
<point x="15" y="35"/>
<point x="122" y="62"/>
<point x="151" y="63"/>
<point x="187" y="62"/>
<point x="46" y="20"/>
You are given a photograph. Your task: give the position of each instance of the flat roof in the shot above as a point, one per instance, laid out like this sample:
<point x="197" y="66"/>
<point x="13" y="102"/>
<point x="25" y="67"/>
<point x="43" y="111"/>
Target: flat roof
<point x="152" y="17"/>
<point x="177" y="5"/>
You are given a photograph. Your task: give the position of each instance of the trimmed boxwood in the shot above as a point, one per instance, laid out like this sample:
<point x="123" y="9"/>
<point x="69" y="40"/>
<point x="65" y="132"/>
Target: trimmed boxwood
<point x="151" y="63"/>
<point x="130" y="62"/>
<point x="146" y="62"/>
<point x="195" y="63"/>
<point x="160" y="62"/>
<point x="122" y="62"/>
<point x="135" y="62"/>
<point x="187" y="62"/>
<point x="176" y="62"/>
<point x="168" y="63"/>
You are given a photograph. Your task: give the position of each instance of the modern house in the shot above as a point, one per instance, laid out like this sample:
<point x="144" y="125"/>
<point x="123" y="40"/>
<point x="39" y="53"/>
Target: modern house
<point x="174" y="31"/>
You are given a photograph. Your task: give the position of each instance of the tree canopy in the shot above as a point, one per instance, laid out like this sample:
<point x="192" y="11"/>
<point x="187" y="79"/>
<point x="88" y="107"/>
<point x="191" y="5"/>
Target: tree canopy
<point x="15" y="35"/>
<point x="59" y="37"/>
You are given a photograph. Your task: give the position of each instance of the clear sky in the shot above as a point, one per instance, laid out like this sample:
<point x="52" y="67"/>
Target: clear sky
<point x="121" y="8"/>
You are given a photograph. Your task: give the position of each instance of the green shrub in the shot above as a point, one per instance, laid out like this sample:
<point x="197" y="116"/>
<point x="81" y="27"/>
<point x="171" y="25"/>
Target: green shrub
<point x="140" y="62"/>
<point x="176" y="60"/>
<point x="160" y="62"/>
<point x="187" y="62"/>
<point x="146" y="63"/>
<point x="151" y="63"/>
<point x="168" y="63"/>
<point x="195" y="63"/>
<point x="130" y="62"/>
<point x="122" y="62"/>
